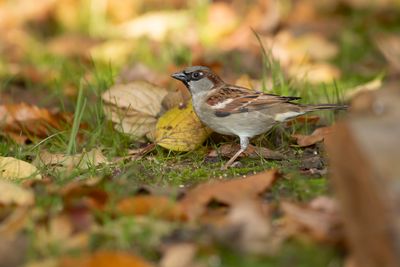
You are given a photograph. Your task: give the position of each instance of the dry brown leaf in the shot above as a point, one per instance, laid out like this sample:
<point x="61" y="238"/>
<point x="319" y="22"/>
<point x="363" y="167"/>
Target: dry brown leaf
<point x="121" y="10"/>
<point x="313" y="119"/>
<point x="320" y="219"/>
<point x="228" y="150"/>
<point x="15" y="204"/>
<point x="134" y="107"/>
<point x="67" y="13"/>
<point x="84" y="194"/>
<point x="13" y="250"/>
<point x="149" y="205"/>
<point x="27" y="73"/>
<point x="180" y="129"/>
<point x="15" y="169"/>
<point x="315" y="73"/>
<point x="179" y="255"/>
<point x="317" y="136"/>
<point x="15" y="43"/>
<point x="389" y="45"/>
<point x="294" y="50"/>
<point x="81" y="161"/>
<point x="264" y="16"/>
<point x="140" y="72"/>
<point x="248" y="227"/>
<point x="223" y="15"/>
<point x="156" y="25"/>
<point x="368" y="86"/>
<point x="12" y="194"/>
<point x="15" y="13"/>
<point x="115" y="51"/>
<point x="60" y="232"/>
<point x="105" y="259"/>
<point x="72" y="45"/>
<point x="30" y="121"/>
<point x="228" y="192"/>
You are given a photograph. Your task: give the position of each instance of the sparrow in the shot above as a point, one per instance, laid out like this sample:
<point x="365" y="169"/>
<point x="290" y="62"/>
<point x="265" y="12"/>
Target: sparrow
<point x="233" y="110"/>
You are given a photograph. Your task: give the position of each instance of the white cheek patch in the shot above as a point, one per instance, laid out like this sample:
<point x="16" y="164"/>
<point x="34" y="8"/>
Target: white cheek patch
<point x="287" y="115"/>
<point x="222" y="104"/>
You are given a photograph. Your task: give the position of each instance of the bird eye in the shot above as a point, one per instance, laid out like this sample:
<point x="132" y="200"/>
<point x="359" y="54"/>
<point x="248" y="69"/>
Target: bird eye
<point x="196" y="75"/>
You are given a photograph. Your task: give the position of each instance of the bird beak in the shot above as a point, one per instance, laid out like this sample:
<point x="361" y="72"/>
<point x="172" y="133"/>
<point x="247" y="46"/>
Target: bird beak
<point x="180" y="76"/>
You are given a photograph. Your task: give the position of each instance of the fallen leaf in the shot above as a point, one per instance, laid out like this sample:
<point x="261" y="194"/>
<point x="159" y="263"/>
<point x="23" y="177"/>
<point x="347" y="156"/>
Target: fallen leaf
<point x="67" y="14"/>
<point x="115" y="51"/>
<point x="141" y="72"/>
<point x="369" y="86"/>
<point x="248" y="228"/>
<point x="30" y="121"/>
<point x="16" y="13"/>
<point x="84" y="194"/>
<point x="223" y="15"/>
<point x="389" y="45"/>
<point x="180" y="129"/>
<point x="121" y="10"/>
<point x="15" y="204"/>
<point x="15" y="169"/>
<point x="136" y="154"/>
<point x="315" y="72"/>
<point x="296" y="50"/>
<point x="228" y="150"/>
<point x="230" y="192"/>
<point x="13" y="250"/>
<point x="320" y="219"/>
<point x="59" y="232"/>
<point x="26" y="73"/>
<point x="179" y="255"/>
<point x="314" y="119"/>
<point x="12" y="194"/>
<point x="80" y="161"/>
<point x="150" y="205"/>
<point x="105" y="259"/>
<point x="155" y="25"/>
<point x="317" y="136"/>
<point x="134" y="107"/>
<point x="72" y="45"/>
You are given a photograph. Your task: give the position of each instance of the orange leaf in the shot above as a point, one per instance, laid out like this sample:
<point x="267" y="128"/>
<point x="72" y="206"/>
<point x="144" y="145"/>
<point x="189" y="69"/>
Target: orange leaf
<point x="30" y="121"/>
<point x="227" y="192"/>
<point x="317" y="136"/>
<point x="159" y="206"/>
<point x="105" y="259"/>
<point x="304" y="119"/>
<point x="320" y="219"/>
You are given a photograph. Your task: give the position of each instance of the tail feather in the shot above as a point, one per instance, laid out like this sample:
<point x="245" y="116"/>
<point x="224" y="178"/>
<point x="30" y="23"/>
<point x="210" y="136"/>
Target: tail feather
<point x="325" y="107"/>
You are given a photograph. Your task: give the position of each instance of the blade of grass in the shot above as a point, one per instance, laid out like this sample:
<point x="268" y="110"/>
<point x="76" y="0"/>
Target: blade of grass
<point x="79" y="109"/>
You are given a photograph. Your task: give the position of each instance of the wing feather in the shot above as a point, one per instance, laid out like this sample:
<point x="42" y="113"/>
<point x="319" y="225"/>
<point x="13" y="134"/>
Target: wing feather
<point x="234" y="99"/>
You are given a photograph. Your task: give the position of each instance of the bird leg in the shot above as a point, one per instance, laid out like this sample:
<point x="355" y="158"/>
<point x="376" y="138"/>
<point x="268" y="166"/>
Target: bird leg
<point x="244" y="143"/>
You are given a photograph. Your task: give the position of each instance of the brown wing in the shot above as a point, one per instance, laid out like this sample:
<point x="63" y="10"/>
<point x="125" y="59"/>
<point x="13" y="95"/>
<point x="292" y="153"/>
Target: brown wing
<point x="233" y="99"/>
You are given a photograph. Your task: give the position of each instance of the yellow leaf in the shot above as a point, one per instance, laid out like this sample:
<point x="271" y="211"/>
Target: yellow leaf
<point x="15" y="169"/>
<point x="180" y="129"/>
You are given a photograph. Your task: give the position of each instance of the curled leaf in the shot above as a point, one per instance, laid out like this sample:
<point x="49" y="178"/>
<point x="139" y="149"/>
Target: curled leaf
<point x="134" y="107"/>
<point x="317" y="136"/>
